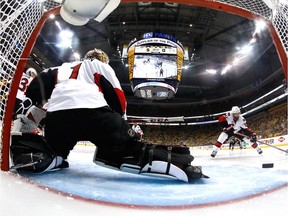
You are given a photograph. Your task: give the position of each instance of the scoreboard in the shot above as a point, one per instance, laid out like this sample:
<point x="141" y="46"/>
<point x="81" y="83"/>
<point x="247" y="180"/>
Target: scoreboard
<point x="155" y="66"/>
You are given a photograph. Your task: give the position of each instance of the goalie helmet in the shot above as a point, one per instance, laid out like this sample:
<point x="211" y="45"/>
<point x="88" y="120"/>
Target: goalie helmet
<point x="97" y="54"/>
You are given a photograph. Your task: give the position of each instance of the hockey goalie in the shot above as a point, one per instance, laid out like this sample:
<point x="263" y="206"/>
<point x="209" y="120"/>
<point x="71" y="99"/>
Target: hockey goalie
<point x="84" y="101"/>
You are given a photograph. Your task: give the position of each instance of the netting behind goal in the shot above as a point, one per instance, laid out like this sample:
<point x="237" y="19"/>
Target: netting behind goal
<point x="22" y="20"/>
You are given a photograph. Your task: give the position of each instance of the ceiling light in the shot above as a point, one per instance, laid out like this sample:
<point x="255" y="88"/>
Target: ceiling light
<point x="260" y="26"/>
<point x="225" y="70"/>
<point x="65" y="34"/>
<point x="58" y="24"/>
<point x="65" y="38"/>
<point x="253" y="40"/>
<point x="211" y="71"/>
<point x="246" y="49"/>
<point x="76" y="55"/>
<point x="236" y="61"/>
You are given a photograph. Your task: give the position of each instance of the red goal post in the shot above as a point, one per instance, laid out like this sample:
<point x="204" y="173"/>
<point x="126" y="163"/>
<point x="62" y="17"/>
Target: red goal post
<point x="22" y="21"/>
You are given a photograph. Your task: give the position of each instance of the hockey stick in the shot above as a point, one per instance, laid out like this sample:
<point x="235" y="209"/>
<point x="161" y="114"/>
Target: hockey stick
<point x="263" y="143"/>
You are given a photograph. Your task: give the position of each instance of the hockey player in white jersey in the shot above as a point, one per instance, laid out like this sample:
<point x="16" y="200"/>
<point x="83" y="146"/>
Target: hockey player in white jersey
<point x="138" y="130"/>
<point x="20" y="103"/>
<point x="86" y="103"/>
<point x="234" y="124"/>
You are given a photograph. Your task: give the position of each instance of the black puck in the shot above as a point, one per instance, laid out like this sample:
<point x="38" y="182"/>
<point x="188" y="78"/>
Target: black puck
<point x="268" y="165"/>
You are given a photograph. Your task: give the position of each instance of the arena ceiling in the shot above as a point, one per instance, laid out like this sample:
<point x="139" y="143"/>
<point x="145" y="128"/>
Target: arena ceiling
<point x="215" y="40"/>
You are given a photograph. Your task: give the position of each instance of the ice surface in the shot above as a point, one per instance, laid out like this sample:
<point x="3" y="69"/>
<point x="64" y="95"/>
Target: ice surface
<point x="234" y="174"/>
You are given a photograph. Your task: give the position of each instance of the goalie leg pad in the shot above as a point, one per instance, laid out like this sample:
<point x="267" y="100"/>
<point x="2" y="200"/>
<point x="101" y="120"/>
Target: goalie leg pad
<point x="175" y="155"/>
<point x="30" y="152"/>
<point x="38" y="162"/>
<point x="33" y="162"/>
<point x="172" y="161"/>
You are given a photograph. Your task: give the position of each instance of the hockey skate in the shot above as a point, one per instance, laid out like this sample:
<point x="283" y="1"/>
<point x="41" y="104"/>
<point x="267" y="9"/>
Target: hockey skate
<point x="213" y="154"/>
<point x="259" y="150"/>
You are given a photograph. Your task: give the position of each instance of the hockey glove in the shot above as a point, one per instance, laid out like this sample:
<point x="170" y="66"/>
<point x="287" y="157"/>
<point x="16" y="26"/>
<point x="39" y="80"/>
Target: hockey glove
<point x="253" y="138"/>
<point x="228" y="128"/>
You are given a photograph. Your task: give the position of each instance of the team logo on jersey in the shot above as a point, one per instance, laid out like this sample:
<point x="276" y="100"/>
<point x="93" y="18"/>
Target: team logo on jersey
<point x="131" y="132"/>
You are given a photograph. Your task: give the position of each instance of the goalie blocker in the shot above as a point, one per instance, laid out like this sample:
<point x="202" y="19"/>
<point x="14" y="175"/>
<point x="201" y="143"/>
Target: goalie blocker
<point x="30" y="152"/>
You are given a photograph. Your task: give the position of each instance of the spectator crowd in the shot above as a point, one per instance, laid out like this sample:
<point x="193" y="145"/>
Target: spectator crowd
<point x="270" y="123"/>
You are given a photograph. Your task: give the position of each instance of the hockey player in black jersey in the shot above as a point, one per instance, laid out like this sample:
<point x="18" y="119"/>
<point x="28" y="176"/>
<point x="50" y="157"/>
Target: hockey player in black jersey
<point x="84" y="101"/>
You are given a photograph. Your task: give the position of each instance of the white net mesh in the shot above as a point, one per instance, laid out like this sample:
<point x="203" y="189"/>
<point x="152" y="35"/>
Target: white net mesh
<point x="280" y="23"/>
<point x="278" y="16"/>
<point x="19" y="18"/>
<point x="255" y="6"/>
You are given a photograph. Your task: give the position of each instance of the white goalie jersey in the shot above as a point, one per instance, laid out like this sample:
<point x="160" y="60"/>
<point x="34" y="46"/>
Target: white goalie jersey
<point x="67" y="87"/>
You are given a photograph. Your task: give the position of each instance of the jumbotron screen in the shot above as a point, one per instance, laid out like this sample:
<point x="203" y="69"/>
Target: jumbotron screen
<point x="155" y="66"/>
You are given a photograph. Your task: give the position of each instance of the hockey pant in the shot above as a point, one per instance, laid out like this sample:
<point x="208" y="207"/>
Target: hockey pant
<point x="243" y="135"/>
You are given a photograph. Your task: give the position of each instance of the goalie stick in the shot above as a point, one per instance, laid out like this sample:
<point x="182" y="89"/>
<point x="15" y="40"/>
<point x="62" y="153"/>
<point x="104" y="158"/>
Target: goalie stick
<point x="263" y="143"/>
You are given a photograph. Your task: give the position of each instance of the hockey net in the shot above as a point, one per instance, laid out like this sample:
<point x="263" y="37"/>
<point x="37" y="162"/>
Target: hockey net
<point x="22" y="20"/>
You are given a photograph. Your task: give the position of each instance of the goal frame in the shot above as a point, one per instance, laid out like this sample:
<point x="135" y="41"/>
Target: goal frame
<point x="6" y="130"/>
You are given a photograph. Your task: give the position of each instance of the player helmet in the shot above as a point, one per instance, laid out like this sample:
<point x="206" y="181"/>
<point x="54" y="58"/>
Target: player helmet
<point x="31" y="72"/>
<point x="97" y="54"/>
<point x="236" y="110"/>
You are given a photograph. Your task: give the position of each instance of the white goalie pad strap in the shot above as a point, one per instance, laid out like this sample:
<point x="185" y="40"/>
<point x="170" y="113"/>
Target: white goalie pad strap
<point x="131" y="168"/>
<point x="160" y="167"/>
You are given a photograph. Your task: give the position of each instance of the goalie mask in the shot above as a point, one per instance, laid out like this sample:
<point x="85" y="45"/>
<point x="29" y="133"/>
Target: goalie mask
<point x="97" y="54"/>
